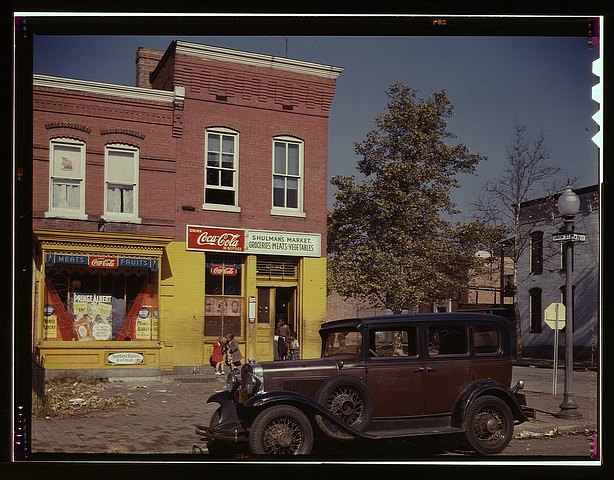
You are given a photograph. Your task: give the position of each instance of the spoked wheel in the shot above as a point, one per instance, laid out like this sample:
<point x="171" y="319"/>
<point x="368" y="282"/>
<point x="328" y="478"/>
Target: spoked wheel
<point x="349" y="400"/>
<point x="281" y="430"/>
<point x="490" y="425"/>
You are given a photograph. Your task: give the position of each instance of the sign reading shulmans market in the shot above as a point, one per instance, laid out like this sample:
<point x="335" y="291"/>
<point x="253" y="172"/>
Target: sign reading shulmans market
<point x="283" y="243"/>
<point x="266" y="242"/>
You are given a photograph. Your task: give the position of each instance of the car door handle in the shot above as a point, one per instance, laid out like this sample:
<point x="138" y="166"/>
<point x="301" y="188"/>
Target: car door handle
<point x="419" y="370"/>
<point x="429" y="369"/>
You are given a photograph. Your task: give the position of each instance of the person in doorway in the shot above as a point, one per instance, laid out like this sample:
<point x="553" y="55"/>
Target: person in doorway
<point x="294" y="347"/>
<point x="217" y="356"/>
<point x="283" y="338"/>
<point x="234" y="355"/>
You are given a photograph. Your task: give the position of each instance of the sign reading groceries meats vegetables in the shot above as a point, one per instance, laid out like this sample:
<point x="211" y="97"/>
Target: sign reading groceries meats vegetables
<point x="266" y="242"/>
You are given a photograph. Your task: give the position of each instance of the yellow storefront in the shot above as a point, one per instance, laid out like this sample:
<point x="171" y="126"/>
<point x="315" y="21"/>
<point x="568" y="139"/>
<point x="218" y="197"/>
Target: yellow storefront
<point x="116" y="304"/>
<point x="96" y="304"/>
<point x="241" y="282"/>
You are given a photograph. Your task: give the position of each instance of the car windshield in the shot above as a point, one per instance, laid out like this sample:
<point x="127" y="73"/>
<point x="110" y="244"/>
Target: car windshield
<point x="342" y="342"/>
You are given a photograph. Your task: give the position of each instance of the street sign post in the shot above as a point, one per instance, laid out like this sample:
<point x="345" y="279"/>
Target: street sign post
<point x="555" y="319"/>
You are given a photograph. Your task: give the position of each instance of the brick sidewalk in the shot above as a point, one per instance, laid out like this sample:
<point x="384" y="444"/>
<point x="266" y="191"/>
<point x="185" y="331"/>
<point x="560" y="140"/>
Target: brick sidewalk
<point x="163" y="420"/>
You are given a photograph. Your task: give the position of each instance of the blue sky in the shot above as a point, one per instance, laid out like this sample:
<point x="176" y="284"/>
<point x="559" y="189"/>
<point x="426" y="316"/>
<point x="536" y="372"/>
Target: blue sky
<point x="493" y="82"/>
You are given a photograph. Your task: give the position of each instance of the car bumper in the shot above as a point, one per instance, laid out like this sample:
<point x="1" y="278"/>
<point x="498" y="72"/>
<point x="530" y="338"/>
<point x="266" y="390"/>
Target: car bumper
<point x="227" y="433"/>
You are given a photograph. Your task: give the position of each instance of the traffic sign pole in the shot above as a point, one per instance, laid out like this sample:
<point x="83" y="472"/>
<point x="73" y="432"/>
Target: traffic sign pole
<point x="555" y="319"/>
<point x="556" y="350"/>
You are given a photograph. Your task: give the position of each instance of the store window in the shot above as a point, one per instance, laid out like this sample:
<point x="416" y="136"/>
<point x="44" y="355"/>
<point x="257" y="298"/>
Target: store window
<point x="287" y="176"/>
<point x="221" y="170"/>
<point x="99" y="304"/>
<point x="122" y="183"/>
<point x="67" y="178"/>
<point x="223" y="295"/>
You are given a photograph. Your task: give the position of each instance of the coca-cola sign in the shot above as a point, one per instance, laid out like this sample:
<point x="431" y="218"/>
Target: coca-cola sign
<point x="102" y="262"/>
<point x="227" y="270"/>
<point x="214" y="239"/>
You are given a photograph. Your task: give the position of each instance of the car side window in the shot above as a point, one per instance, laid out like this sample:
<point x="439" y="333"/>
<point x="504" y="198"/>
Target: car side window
<point x="486" y="340"/>
<point x="343" y="342"/>
<point x="448" y="340"/>
<point x="393" y="343"/>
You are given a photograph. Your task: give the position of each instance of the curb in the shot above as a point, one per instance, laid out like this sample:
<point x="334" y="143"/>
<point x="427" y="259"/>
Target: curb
<point x="553" y="432"/>
<point x="545" y="429"/>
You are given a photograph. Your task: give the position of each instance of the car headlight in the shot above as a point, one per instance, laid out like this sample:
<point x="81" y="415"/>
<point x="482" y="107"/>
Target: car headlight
<point x="232" y="382"/>
<point x="251" y="383"/>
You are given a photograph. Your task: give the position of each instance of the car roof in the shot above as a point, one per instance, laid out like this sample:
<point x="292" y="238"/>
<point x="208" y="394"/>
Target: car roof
<point x="413" y="317"/>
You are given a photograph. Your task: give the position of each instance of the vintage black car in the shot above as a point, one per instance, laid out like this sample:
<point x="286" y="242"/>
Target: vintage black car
<point x="378" y="378"/>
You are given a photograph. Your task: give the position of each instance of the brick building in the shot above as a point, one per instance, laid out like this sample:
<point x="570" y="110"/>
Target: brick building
<point x="541" y="277"/>
<point x="189" y="206"/>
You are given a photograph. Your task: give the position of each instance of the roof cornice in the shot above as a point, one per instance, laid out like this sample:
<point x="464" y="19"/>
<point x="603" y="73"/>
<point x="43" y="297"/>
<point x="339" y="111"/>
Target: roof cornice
<point x="257" y="60"/>
<point x="99" y="88"/>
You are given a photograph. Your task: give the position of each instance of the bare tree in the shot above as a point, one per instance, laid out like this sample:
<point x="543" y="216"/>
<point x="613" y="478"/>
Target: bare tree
<point x="527" y="174"/>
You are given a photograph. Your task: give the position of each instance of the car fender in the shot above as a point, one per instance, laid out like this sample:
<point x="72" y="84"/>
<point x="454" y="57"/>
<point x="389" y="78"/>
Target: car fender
<point x="482" y="387"/>
<point x="304" y="403"/>
<point x="228" y="412"/>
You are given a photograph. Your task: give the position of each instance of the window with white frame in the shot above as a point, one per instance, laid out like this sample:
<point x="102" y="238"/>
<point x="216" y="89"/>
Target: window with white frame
<point x="221" y="169"/>
<point x="121" y="172"/>
<point x="287" y="176"/>
<point x="67" y="178"/>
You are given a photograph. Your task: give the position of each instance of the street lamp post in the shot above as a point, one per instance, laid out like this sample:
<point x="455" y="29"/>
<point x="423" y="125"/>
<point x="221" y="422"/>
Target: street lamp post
<point x="568" y="205"/>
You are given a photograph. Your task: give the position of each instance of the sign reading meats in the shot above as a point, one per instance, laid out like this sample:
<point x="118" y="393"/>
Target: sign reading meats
<point x="214" y="239"/>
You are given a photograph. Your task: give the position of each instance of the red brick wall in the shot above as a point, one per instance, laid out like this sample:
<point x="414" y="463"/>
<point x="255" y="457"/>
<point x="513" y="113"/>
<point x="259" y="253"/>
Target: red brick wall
<point x="254" y="106"/>
<point x="98" y="121"/>
<point x="260" y="103"/>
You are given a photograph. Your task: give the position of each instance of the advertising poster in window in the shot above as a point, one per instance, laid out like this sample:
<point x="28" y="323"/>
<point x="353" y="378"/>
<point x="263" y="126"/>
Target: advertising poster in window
<point x="143" y="324"/>
<point x="50" y="323"/>
<point x="224" y="306"/>
<point x="92" y="314"/>
<point x="147" y="323"/>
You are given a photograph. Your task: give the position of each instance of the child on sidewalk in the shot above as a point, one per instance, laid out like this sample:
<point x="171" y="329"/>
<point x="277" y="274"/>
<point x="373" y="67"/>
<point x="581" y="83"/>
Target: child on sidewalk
<point x="294" y="347"/>
<point x="217" y="356"/>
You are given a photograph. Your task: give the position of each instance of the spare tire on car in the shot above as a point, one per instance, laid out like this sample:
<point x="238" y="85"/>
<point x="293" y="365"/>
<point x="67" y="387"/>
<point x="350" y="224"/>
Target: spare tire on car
<point x="348" y="399"/>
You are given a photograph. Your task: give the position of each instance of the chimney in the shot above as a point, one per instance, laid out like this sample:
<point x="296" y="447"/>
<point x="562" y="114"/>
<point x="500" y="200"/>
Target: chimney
<point x="146" y="62"/>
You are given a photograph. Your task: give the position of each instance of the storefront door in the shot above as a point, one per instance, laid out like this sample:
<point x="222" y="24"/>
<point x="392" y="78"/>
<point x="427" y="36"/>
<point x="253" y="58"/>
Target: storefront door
<point x="265" y="324"/>
<point x="274" y="303"/>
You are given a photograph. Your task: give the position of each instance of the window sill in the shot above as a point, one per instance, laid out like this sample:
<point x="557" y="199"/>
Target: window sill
<point x="287" y="213"/>
<point x="114" y="218"/>
<point x="222" y="208"/>
<point x="67" y="215"/>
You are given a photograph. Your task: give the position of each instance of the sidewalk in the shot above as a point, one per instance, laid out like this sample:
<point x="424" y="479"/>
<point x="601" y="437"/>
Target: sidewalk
<point x="539" y="391"/>
<point x="167" y="409"/>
